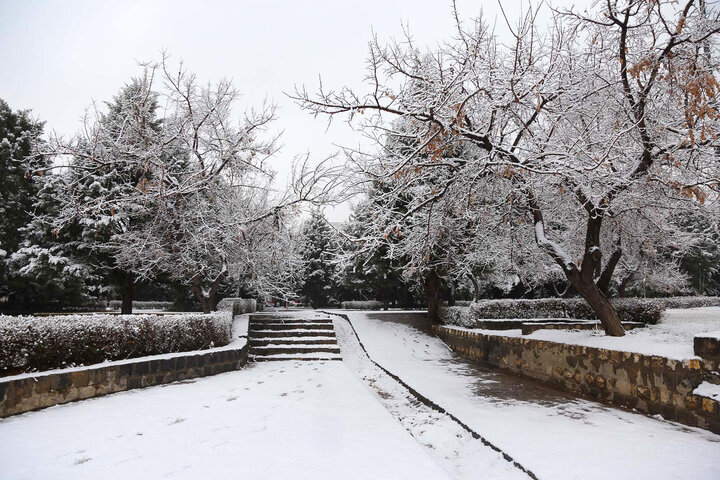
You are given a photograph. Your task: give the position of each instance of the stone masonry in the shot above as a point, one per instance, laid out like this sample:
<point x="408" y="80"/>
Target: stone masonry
<point x="19" y="395"/>
<point x="650" y="384"/>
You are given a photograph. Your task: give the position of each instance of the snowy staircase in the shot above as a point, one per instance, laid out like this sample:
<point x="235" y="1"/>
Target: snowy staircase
<point x="276" y="337"/>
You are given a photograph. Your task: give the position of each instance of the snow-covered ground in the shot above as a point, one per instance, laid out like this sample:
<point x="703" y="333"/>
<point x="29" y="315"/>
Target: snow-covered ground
<point x="276" y="420"/>
<point x="672" y="337"/>
<point x="554" y="435"/>
<point x="350" y="420"/>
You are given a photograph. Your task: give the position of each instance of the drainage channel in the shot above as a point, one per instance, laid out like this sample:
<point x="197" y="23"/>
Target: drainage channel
<point x="418" y="428"/>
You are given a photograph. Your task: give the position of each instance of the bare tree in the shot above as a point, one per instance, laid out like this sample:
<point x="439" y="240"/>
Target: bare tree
<point x="602" y="115"/>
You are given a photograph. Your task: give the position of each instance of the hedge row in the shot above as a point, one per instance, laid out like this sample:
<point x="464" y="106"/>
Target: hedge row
<point x="238" y="305"/>
<point x="362" y="305"/>
<point x="142" y="304"/>
<point x="690" y="302"/>
<point x="42" y="343"/>
<point x="645" y="310"/>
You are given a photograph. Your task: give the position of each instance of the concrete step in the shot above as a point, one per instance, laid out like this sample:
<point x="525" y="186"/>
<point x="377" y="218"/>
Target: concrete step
<point x="262" y="342"/>
<point x="293" y="349"/>
<point x="290" y="326"/>
<point x="280" y="321"/>
<point x="291" y="333"/>
<point x="311" y="358"/>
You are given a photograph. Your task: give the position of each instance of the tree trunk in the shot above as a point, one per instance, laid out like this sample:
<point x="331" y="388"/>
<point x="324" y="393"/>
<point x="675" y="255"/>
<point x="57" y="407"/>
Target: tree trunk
<point x="476" y="287"/>
<point x="622" y="287"/>
<point x="602" y="307"/>
<point x="127" y="299"/>
<point x="432" y="292"/>
<point x="197" y="291"/>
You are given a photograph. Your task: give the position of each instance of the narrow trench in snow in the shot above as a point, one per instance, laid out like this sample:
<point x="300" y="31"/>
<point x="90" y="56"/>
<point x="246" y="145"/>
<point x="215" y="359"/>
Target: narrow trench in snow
<point x="460" y="454"/>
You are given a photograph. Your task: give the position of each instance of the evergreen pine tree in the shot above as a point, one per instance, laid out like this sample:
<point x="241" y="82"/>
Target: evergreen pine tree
<point x="318" y="251"/>
<point x="18" y="186"/>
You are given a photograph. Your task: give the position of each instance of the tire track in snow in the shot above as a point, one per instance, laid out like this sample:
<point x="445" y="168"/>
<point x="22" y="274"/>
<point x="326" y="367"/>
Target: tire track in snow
<point x="450" y="441"/>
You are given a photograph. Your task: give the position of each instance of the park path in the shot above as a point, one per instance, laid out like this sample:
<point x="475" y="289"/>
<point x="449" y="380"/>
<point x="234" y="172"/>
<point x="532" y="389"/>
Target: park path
<point x="330" y="419"/>
<point x="556" y="436"/>
<point x="295" y="419"/>
<point x="273" y="420"/>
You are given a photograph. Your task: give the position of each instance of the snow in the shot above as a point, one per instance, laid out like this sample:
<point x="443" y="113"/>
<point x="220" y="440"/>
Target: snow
<point x="555" y="248"/>
<point x="274" y="420"/>
<point x="239" y="339"/>
<point x="515" y="332"/>
<point x="672" y="337"/>
<point x="463" y="456"/>
<point x="350" y="420"/>
<point x="715" y="334"/>
<point x="707" y="389"/>
<point x="555" y="435"/>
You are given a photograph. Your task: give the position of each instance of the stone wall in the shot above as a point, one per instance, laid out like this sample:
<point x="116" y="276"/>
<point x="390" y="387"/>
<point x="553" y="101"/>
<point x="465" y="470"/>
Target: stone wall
<point x="650" y="384"/>
<point x="26" y="393"/>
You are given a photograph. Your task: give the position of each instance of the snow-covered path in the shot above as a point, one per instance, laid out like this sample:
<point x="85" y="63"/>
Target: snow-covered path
<point x="350" y="420"/>
<point x="554" y="435"/>
<point x="277" y="420"/>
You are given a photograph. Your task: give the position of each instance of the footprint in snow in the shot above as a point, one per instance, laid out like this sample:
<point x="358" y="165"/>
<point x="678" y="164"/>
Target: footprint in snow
<point x="231" y="399"/>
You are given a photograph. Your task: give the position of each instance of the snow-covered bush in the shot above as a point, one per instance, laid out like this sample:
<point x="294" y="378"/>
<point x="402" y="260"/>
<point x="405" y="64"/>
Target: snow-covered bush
<point x="42" y="343"/>
<point x="462" y="303"/>
<point x="690" y="302"/>
<point x="457" y="315"/>
<point x="237" y="305"/>
<point x="142" y="304"/>
<point x="362" y="305"/>
<point x="646" y="310"/>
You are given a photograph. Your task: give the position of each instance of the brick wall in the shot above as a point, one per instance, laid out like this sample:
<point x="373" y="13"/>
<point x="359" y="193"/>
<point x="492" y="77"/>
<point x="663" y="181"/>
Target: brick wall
<point x="650" y="384"/>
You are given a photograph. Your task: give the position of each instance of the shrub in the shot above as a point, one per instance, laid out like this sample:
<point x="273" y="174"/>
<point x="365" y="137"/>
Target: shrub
<point x="643" y="310"/>
<point x="690" y="302"/>
<point x="42" y="343"/>
<point x="362" y="305"/>
<point x="142" y="304"/>
<point x="238" y="305"/>
<point x="456" y="315"/>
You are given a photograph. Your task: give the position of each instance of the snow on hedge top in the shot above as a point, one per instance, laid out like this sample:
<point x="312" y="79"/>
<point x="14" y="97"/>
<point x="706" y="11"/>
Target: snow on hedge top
<point x="40" y="343"/>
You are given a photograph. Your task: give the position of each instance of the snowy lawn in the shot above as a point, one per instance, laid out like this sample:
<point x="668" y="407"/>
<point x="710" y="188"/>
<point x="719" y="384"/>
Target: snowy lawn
<point x="672" y="337"/>
<point x="269" y="421"/>
<point x="554" y="435"/>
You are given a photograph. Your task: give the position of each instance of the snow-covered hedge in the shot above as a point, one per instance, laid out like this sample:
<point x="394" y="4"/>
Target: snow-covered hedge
<point x="42" y="343"/>
<point x="645" y="310"/>
<point x="690" y="302"/>
<point x="362" y="305"/>
<point x="142" y="305"/>
<point x="238" y="305"/>
<point x="457" y="315"/>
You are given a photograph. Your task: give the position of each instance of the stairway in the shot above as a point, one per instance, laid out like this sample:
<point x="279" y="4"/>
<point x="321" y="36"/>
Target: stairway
<point x="277" y="337"/>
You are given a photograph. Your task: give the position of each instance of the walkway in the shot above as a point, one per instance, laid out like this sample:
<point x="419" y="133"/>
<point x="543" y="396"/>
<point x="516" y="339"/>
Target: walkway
<point x="349" y="420"/>
<point x="276" y="420"/>
<point x="554" y="435"/>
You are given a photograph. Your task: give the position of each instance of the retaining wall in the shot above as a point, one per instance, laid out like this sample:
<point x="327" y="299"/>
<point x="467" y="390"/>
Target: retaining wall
<point x="25" y="393"/>
<point x="650" y="384"/>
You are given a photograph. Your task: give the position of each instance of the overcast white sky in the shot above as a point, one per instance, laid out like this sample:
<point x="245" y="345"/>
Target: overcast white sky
<point x="56" y="57"/>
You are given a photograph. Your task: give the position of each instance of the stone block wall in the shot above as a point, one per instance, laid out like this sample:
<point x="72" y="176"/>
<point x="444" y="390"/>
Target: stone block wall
<point x="650" y="384"/>
<point x="19" y="395"/>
